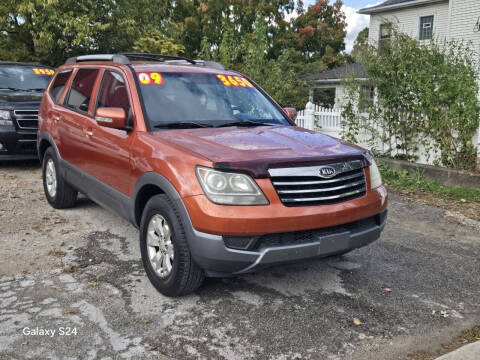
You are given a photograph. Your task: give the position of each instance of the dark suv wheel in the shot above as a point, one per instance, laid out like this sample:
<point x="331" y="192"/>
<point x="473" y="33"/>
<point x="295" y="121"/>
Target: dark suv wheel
<point x="164" y="248"/>
<point x="59" y="193"/>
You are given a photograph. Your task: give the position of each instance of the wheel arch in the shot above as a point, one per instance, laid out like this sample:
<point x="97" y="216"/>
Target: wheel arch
<point x="45" y="140"/>
<point x="151" y="184"/>
<point x="43" y="145"/>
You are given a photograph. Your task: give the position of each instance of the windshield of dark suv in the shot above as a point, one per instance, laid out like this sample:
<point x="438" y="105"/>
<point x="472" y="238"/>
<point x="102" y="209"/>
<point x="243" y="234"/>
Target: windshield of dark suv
<point x="24" y="78"/>
<point x="205" y="100"/>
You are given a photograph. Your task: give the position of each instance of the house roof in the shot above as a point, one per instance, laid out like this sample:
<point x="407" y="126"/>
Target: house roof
<point x="395" y="4"/>
<point x="337" y="74"/>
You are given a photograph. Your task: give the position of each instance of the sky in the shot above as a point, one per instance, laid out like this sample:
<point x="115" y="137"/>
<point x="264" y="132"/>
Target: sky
<point x="355" y="22"/>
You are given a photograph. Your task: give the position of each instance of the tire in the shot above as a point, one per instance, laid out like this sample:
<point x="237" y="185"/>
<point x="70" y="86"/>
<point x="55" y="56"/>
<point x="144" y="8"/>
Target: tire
<point x="161" y="216"/>
<point x="63" y="195"/>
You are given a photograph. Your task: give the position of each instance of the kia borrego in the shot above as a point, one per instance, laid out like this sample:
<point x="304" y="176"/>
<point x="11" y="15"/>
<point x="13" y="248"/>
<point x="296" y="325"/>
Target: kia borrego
<point x="212" y="171"/>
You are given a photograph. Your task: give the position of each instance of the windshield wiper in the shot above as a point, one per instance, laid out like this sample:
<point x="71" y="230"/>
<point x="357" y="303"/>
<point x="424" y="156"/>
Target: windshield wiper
<point x="245" y="123"/>
<point x="181" y="125"/>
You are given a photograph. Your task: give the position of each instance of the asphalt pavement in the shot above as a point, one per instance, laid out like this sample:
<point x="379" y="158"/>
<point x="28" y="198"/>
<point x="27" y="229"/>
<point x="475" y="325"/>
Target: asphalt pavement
<point x="413" y="290"/>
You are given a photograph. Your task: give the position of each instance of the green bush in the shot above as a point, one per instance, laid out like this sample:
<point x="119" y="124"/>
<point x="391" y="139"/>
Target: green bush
<point x="426" y="96"/>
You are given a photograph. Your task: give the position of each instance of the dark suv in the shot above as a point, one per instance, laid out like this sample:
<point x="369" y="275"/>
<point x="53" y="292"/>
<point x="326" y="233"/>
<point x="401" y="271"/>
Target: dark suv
<point x="21" y="90"/>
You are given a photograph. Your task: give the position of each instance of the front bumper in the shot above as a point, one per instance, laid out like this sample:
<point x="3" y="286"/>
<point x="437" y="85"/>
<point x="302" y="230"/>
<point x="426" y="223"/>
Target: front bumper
<point x="211" y="253"/>
<point x="17" y="144"/>
<point x="211" y="218"/>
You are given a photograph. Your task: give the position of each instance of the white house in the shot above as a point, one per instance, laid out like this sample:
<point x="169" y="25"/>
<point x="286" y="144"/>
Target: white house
<point x="421" y="19"/>
<point x="426" y="19"/>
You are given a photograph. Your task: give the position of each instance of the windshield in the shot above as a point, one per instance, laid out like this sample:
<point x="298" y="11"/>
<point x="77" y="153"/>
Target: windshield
<point x="206" y="100"/>
<point x="18" y="77"/>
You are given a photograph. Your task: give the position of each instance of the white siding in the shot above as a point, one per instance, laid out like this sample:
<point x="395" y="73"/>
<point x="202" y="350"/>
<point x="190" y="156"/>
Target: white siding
<point x="340" y="96"/>
<point x="408" y="20"/>
<point x="464" y="16"/>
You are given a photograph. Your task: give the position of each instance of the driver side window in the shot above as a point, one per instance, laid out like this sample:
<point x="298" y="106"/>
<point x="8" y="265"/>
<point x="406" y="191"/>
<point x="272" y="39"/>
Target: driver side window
<point x="81" y="90"/>
<point x="113" y="92"/>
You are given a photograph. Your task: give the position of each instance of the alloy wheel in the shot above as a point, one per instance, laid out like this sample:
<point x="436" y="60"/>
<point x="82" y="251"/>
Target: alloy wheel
<point x="160" y="246"/>
<point x="51" y="178"/>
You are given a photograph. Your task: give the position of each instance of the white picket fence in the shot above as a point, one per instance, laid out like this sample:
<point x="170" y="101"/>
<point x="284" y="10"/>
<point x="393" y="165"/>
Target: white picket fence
<point x="315" y="117"/>
<point x="330" y="122"/>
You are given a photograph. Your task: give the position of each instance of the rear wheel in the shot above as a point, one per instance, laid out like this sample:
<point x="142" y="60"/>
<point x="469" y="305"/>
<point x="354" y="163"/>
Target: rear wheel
<point x="165" y="253"/>
<point x="58" y="192"/>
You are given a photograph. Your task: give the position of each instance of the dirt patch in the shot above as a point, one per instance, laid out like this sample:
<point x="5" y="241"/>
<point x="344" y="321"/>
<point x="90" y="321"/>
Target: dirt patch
<point x="34" y="236"/>
<point x="466" y="337"/>
<point x="469" y="209"/>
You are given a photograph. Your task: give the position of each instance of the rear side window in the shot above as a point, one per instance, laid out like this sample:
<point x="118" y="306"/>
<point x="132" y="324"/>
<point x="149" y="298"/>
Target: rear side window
<point x="81" y="90"/>
<point x="113" y="92"/>
<point x="59" y="84"/>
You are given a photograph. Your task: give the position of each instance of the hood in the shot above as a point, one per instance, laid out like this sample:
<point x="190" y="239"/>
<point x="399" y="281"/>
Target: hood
<point x="8" y="97"/>
<point x="255" y="150"/>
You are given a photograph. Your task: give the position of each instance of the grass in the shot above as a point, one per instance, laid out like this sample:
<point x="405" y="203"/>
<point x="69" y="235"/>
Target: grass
<point x="402" y="180"/>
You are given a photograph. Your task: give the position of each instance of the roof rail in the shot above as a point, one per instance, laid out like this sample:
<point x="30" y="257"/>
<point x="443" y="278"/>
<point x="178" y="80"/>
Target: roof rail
<point x="211" y="64"/>
<point x="123" y="58"/>
<point x="117" y="58"/>
<point x="153" y="56"/>
<point x="198" y="62"/>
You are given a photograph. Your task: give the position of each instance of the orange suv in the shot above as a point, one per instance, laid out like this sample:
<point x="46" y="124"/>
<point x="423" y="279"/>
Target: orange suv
<point x="214" y="173"/>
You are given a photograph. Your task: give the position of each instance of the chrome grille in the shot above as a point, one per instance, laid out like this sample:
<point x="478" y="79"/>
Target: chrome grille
<point x="26" y="119"/>
<point x="306" y="186"/>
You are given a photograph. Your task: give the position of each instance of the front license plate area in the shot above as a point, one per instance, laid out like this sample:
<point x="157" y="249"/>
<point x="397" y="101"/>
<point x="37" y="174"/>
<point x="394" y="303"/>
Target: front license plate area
<point x="333" y="243"/>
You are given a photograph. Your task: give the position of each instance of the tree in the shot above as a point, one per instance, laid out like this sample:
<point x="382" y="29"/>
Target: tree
<point x="134" y="22"/>
<point x="203" y="22"/>
<point x="320" y="30"/>
<point x="252" y="36"/>
<point x="50" y="31"/>
<point x="360" y="42"/>
<point x="283" y="60"/>
<point x="153" y="41"/>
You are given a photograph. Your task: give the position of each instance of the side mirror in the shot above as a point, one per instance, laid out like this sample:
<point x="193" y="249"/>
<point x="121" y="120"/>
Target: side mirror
<point x="111" y="117"/>
<point x="291" y="112"/>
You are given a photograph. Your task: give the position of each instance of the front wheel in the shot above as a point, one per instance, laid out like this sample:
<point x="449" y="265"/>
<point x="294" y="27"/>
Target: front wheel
<point x="165" y="253"/>
<point x="59" y="193"/>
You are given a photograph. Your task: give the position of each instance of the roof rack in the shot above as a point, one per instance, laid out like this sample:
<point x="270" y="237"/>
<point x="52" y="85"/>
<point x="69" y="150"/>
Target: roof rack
<point x="206" y="63"/>
<point x="152" y="56"/>
<point x="123" y="58"/>
<point x="99" y="57"/>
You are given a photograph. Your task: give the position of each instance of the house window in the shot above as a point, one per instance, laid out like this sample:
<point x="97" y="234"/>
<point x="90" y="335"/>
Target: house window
<point x="324" y="97"/>
<point x="426" y="27"/>
<point x="385" y="31"/>
<point x="385" y="34"/>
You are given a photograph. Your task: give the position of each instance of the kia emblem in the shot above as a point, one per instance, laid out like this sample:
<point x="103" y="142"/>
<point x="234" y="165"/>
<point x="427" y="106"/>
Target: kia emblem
<point x="327" y="172"/>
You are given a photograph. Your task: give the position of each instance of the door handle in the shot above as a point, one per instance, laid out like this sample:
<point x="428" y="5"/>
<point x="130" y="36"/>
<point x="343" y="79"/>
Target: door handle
<point x="56" y="118"/>
<point x="88" y="132"/>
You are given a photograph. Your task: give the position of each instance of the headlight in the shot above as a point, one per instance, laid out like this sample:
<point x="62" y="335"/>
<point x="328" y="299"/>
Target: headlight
<point x="375" y="177"/>
<point x="230" y="188"/>
<point x="5" y="118"/>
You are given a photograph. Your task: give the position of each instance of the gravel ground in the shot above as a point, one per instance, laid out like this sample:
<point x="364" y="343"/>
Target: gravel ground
<point x="414" y="289"/>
